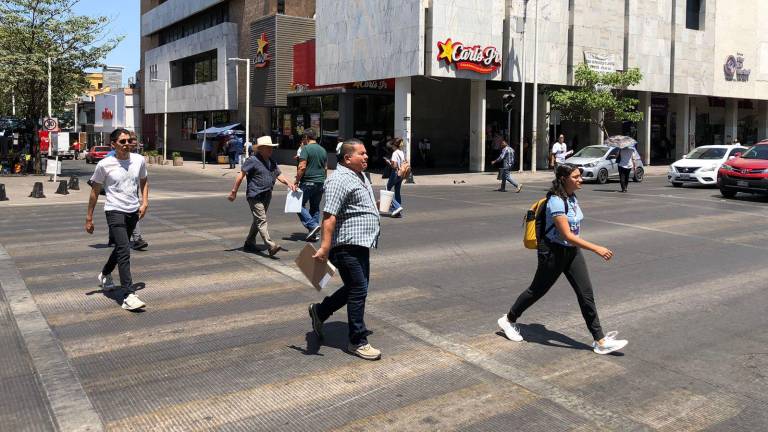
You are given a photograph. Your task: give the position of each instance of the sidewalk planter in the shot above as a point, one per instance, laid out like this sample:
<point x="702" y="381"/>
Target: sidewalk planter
<point x="222" y="159"/>
<point x="178" y="161"/>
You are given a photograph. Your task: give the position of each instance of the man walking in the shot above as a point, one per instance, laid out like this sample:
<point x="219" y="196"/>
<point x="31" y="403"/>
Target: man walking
<point x="262" y="172"/>
<point x="310" y="176"/>
<point x="507" y="158"/>
<point x="560" y="151"/>
<point x="626" y="163"/>
<point x="351" y="227"/>
<point x="122" y="176"/>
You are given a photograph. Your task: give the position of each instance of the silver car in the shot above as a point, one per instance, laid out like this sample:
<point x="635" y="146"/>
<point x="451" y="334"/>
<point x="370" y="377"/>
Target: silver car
<point x="598" y="163"/>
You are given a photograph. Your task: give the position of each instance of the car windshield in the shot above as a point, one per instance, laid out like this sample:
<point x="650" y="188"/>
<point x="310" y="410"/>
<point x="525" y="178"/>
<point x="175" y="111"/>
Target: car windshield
<point x="756" y="152"/>
<point x="707" y="153"/>
<point x="591" y="152"/>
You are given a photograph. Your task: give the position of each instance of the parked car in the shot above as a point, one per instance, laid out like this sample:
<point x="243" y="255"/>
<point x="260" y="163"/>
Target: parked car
<point x="598" y="163"/>
<point x="97" y="153"/>
<point x="746" y="173"/>
<point x="700" y="166"/>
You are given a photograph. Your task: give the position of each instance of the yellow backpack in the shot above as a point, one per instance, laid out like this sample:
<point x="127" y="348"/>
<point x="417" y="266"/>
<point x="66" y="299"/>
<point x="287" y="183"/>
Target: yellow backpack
<point x="535" y="221"/>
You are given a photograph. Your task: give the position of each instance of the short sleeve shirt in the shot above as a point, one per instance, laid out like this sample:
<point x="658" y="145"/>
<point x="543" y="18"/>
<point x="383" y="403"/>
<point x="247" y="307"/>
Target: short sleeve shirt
<point x="349" y="197"/>
<point x="120" y="180"/>
<point x="398" y="157"/>
<point x="261" y="175"/>
<point x="559" y="151"/>
<point x="556" y="207"/>
<point x="316" y="158"/>
<point x="627" y="154"/>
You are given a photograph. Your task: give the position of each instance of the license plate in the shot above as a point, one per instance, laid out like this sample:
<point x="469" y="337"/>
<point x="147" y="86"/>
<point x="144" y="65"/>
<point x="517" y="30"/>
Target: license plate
<point x="685" y="176"/>
<point x="742" y="183"/>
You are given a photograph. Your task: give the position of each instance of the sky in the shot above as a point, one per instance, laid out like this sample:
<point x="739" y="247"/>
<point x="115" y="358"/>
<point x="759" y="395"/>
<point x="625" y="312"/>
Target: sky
<point x="125" y="16"/>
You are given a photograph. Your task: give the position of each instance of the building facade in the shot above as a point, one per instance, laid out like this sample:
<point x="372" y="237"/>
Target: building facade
<point x="705" y="74"/>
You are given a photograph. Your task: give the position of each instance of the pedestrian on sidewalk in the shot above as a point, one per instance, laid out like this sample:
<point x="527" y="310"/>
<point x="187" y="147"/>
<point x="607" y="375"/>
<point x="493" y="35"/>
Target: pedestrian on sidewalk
<point x="310" y="177"/>
<point x="351" y="227"/>
<point x="122" y="176"/>
<point x="560" y="252"/>
<point x="262" y="172"/>
<point x="559" y="152"/>
<point x="626" y="163"/>
<point x="507" y="159"/>
<point x="397" y="160"/>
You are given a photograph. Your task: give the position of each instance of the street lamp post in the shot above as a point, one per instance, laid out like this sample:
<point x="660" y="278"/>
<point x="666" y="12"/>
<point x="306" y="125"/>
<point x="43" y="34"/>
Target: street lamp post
<point x="247" y="99"/>
<point x="534" y="131"/>
<point x="165" y="118"/>
<point x="522" y="85"/>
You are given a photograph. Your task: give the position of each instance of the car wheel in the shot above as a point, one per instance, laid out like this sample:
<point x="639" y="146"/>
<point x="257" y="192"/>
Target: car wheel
<point x="677" y="184"/>
<point x="602" y="176"/>
<point x="639" y="174"/>
<point x="727" y="193"/>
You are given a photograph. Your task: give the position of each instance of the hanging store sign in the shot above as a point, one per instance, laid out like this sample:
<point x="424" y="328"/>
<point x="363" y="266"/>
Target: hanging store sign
<point x="734" y="68"/>
<point x="475" y="58"/>
<point x="262" y="57"/>
<point x="600" y="62"/>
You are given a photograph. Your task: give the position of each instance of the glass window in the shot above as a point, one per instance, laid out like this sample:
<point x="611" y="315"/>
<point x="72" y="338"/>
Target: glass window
<point x="591" y="152"/>
<point x="756" y="152"/>
<point x="707" y="153"/>
<point x="281" y="6"/>
<point x="196" y="23"/>
<point x="693" y="9"/>
<point x="194" y="70"/>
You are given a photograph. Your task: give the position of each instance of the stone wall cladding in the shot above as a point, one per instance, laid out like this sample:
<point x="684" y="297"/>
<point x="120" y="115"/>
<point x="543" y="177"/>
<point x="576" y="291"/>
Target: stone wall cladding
<point x="171" y="12"/>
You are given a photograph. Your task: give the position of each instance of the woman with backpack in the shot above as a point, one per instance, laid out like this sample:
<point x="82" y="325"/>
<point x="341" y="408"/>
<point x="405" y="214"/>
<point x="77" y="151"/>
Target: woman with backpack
<point x="559" y="251"/>
<point x="400" y="170"/>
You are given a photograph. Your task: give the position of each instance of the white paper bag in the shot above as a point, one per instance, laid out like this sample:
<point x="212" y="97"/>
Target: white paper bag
<point x="293" y="201"/>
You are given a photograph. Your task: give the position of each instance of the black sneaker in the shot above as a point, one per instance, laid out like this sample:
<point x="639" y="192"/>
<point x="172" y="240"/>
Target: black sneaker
<point x="250" y="247"/>
<point x="139" y="244"/>
<point x="317" y="324"/>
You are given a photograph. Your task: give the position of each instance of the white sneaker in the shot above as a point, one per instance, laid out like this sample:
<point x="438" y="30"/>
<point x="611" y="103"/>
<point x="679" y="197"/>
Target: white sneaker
<point x="132" y="302"/>
<point x="364" y="351"/>
<point x="510" y="329"/>
<point x="105" y="282"/>
<point x="610" y="344"/>
<point x="396" y="212"/>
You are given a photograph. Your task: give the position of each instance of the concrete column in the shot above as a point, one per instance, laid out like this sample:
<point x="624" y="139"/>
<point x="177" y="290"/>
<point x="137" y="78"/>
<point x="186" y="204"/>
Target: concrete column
<point x="346" y="115"/>
<point x="691" y="127"/>
<point x="731" y="120"/>
<point x="682" y="122"/>
<point x="644" y="129"/>
<point x="762" y="120"/>
<point x="540" y="152"/>
<point x="596" y="136"/>
<point x="403" y="113"/>
<point x="477" y="126"/>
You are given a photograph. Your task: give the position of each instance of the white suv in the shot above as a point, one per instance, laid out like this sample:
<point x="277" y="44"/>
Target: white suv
<point x="701" y="164"/>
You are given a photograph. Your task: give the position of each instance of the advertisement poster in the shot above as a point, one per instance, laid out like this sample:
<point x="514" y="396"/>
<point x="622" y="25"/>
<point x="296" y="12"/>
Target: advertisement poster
<point x="287" y="124"/>
<point x="300" y="124"/>
<point x="314" y="122"/>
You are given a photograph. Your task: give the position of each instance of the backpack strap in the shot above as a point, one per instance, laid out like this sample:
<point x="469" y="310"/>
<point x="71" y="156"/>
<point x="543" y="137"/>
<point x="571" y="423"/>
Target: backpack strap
<point x="551" y="227"/>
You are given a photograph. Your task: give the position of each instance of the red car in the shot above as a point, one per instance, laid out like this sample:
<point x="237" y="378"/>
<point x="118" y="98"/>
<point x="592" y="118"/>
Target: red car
<point x="95" y="154"/>
<point x="746" y="173"/>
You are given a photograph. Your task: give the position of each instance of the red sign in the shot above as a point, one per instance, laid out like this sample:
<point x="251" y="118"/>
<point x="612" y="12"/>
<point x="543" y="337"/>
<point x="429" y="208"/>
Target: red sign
<point x="475" y="58"/>
<point x="44" y="140"/>
<point x="107" y="114"/>
<point x="262" y="56"/>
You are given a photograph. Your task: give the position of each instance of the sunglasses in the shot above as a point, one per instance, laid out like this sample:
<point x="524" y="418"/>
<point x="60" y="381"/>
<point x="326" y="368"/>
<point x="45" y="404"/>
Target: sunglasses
<point x="127" y="141"/>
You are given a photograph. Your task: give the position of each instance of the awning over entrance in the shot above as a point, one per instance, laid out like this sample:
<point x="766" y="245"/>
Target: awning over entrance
<point x="215" y="130"/>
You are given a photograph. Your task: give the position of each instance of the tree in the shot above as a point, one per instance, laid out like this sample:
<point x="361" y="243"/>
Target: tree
<point x="598" y="92"/>
<point x="33" y="30"/>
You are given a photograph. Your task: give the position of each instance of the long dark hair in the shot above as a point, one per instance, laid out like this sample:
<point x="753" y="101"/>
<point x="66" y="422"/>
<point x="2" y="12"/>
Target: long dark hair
<point x="562" y="172"/>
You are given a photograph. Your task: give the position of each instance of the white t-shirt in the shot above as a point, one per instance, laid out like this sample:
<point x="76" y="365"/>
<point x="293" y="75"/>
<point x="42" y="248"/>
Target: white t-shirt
<point x="398" y="157"/>
<point x="560" y="151"/>
<point x="627" y="154"/>
<point x="120" y="180"/>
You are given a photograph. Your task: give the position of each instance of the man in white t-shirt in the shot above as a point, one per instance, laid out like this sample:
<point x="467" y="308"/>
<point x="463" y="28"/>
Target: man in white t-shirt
<point x="626" y="164"/>
<point x="122" y="176"/>
<point x="560" y="151"/>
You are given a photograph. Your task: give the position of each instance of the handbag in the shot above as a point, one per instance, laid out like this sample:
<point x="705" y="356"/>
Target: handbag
<point x="404" y="169"/>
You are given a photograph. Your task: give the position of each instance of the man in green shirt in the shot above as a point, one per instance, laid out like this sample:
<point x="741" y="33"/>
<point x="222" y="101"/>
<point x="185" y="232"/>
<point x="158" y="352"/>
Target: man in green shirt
<point x="310" y="178"/>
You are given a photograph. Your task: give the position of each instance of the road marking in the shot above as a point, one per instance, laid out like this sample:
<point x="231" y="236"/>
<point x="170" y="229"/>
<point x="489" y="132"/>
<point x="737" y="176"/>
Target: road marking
<point x="71" y="408"/>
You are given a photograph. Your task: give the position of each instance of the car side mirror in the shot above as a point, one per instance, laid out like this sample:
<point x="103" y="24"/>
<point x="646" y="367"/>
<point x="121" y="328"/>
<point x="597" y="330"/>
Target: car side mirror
<point x="685" y="156"/>
<point x="611" y="156"/>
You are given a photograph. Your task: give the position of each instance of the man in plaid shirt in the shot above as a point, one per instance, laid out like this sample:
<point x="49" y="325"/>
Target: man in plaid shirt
<point x="507" y="158"/>
<point x="351" y="226"/>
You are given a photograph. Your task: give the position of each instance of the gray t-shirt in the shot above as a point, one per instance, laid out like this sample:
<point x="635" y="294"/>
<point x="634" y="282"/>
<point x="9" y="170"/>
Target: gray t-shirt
<point x="120" y="180"/>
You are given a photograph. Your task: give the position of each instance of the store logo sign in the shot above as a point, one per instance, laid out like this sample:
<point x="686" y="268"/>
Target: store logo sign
<point x="475" y="58"/>
<point x="107" y="114"/>
<point x="372" y="85"/>
<point x="734" y="68"/>
<point x="262" y="56"/>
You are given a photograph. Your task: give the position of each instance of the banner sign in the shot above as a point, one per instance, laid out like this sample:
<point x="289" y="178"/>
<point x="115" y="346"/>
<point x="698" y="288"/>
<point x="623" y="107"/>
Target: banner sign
<point x="600" y="62"/>
<point x="475" y="58"/>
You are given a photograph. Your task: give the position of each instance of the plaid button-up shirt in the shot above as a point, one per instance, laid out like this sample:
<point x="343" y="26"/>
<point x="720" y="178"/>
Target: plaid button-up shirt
<point x="349" y="196"/>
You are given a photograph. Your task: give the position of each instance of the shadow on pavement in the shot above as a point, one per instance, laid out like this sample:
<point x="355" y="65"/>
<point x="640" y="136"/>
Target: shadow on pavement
<point x="117" y="295"/>
<point x="540" y="334"/>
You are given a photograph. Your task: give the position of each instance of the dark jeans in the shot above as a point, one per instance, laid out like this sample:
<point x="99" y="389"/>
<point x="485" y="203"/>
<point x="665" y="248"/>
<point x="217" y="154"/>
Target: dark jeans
<point x="232" y="159"/>
<point x="354" y="269"/>
<point x="568" y="260"/>
<point x="396" y="182"/>
<point x="121" y="226"/>
<point x="313" y="193"/>
<point x="624" y="177"/>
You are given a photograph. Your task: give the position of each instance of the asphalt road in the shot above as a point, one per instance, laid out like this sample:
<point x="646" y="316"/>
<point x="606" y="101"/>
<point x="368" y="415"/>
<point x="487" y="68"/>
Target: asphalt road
<point x="225" y="342"/>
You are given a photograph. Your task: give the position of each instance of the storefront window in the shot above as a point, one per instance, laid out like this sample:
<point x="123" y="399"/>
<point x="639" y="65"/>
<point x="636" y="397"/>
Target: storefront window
<point x="193" y="122"/>
<point x="318" y="112"/>
<point x="374" y="120"/>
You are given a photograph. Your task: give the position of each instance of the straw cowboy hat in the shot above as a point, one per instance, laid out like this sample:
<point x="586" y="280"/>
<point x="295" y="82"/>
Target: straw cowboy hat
<point x="265" y="140"/>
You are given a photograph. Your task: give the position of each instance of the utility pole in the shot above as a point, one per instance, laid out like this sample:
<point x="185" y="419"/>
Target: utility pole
<point x="247" y="101"/>
<point x="49" y="88"/>
<point x="522" y="85"/>
<point x="13" y="102"/>
<point x="534" y="135"/>
<point x="165" y="118"/>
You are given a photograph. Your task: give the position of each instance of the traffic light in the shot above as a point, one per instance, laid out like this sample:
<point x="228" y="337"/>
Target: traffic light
<point x="508" y="101"/>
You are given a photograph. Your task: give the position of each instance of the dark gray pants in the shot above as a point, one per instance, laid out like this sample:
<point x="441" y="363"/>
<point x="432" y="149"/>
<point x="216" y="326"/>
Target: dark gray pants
<point x="121" y="226"/>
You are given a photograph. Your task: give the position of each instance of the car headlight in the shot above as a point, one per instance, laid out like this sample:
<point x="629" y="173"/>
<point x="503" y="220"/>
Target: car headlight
<point x="726" y="167"/>
<point x="709" y="168"/>
<point x="590" y="165"/>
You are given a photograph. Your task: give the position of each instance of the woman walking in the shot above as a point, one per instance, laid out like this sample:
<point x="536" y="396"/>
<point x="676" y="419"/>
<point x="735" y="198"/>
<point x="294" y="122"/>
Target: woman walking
<point x="560" y="252"/>
<point x="395" y="181"/>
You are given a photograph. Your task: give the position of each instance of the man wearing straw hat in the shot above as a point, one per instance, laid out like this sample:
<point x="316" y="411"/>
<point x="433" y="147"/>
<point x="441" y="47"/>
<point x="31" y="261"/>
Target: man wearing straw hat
<point x="262" y="172"/>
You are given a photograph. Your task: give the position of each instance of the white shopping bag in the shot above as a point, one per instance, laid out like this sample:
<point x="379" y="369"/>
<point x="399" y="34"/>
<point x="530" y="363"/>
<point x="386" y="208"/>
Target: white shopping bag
<point x="293" y="201"/>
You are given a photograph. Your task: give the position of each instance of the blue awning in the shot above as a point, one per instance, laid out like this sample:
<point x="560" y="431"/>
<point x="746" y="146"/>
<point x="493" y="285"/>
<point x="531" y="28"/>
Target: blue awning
<point x="215" y="130"/>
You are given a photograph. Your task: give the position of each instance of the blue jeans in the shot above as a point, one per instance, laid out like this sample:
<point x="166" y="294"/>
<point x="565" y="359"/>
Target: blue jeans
<point x="232" y="159"/>
<point x="313" y="193"/>
<point x="507" y="177"/>
<point x="354" y="268"/>
<point x="396" y="182"/>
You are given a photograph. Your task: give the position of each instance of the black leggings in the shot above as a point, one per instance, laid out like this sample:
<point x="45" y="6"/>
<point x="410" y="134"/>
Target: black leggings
<point x="568" y="260"/>
<point x="624" y="177"/>
<point x="121" y="226"/>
